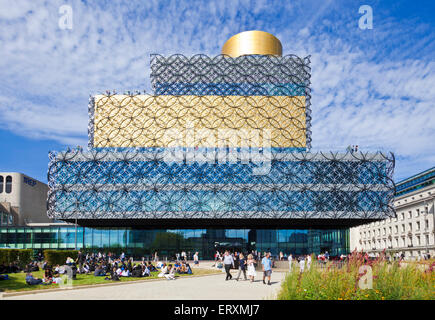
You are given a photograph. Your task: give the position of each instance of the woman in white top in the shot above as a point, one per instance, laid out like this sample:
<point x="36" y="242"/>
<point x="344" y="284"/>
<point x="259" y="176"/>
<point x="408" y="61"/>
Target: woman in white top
<point x="195" y="259"/>
<point x="302" y="264"/>
<point x="171" y="274"/>
<point x="251" y="268"/>
<point x="308" y="262"/>
<point x="163" y="271"/>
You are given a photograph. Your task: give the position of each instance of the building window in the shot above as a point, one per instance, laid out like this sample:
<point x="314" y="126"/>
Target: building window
<point x="402" y="215"/>
<point x="3" y="218"/>
<point x="397" y="229"/>
<point x="410" y="214"/>
<point x="410" y="227"/>
<point x="427" y="239"/>
<point x="417" y="213"/>
<point x="403" y="228"/>
<point x="418" y="225"/>
<point x="1" y="183"/>
<point x="427" y="224"/>
<point x="8" y="184"/>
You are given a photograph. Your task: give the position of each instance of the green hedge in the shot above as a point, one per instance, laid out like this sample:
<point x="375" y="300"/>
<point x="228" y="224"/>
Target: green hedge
<point x="22" y="256"/>
<point x="54" y="257"/>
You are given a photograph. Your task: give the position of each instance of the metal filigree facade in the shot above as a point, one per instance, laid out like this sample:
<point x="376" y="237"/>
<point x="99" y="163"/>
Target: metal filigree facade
<point x="202" y="121"/>
<point x="221" y="138"/>
<point x="142" y="184"/>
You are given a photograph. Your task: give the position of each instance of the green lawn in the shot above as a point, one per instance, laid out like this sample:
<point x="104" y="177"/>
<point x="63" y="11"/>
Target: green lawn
<point x="17" y="281"/>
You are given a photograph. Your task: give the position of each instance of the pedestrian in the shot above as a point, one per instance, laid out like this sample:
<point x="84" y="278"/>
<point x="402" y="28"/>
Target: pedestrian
<point x="196" y="259"/>
<point x="267" y="268"/>
<point x="301" y="264"/>
<point x="228" y="263"/>
<point x="290" y="261"/>
<point x="308" y="262"/>
<point x="242" y="267"/>
<point x="251" y="268"/>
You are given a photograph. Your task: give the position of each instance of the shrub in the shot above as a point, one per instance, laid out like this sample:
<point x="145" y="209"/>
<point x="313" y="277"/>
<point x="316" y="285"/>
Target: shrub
<point x="54" y="257"/>
<point x="21" y="256"/>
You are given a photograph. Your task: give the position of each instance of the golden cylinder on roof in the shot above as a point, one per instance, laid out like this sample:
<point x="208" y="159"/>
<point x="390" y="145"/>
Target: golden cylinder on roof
<point x="252" y="42"/>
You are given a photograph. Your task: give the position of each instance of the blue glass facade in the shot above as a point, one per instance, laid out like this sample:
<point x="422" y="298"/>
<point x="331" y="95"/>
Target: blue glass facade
<point x="167" y="242"/>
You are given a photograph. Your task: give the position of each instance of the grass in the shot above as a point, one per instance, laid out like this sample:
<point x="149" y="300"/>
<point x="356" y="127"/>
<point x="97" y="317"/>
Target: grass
<point x="17" y="281"/>
<point x="393" y="281"/>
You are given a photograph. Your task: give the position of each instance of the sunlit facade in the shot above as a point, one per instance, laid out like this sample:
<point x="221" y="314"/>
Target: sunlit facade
<point x="220" y="151"/>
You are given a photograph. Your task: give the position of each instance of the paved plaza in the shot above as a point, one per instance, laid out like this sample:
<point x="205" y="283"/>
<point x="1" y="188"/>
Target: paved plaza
<point x="210" y="287"/>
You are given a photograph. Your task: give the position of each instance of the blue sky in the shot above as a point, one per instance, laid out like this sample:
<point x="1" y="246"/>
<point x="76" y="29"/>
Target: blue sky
<point x="374" y="88"/>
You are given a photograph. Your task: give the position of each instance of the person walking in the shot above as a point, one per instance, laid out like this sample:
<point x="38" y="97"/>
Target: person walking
<point x="242" y="267"/>
<point x="251" y="267"/>
<point x="228" y="262"/>
<point x="301" y="264"/>
<point x="290" y="261"/>
<point x="267" y="268"/>
<point x="196" y="259"/>
<point x="308" y="262"/>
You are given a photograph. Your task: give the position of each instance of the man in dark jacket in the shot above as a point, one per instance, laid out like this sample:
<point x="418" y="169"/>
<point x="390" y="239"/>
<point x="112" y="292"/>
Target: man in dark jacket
<point x="80" y="260"/>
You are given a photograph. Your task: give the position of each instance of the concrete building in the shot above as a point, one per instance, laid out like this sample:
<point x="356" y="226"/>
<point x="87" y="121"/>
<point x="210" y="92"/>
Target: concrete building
<point x="22" y="200"/>
<point x="412" y="232"/>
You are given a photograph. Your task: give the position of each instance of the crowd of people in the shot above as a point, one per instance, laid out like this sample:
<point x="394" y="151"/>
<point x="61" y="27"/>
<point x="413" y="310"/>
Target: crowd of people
<point x="108" y="265"/>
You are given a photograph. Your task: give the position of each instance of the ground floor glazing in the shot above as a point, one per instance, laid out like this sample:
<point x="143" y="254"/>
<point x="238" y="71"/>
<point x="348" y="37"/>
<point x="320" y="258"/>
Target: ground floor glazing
<point x="168" y="242"/>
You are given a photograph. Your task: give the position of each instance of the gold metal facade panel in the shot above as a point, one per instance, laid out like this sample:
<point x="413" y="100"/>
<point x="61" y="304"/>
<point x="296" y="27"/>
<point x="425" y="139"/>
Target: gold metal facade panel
<point x="252" y="42"/>
<point x="199" y="121"/>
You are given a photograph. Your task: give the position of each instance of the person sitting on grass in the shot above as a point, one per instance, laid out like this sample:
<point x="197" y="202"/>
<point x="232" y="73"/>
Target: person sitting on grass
<point x="145" y="271"/>
<point x="182" y="269"/>
<point x="86" y="268"/>
<point x="99" y="272"/>
<point x="30" y="280"/>
<point x="163" y="270"/>
<point x="125" y="272"/>
<point x="137" y="271"/>
<point x="32" y="267"/>
<point x="58" y="270"/>
<point x="177" y="266"/>
<point x="13" y="268"/>
<point x="48" y="272"/>
<point x="170" y="275"/>
<point x="188" y="269"/>
<point x="69" y="261"/>
<point x="4" y="277"/>
<point x="151" y="267"/>
<point x="113" y="275"/>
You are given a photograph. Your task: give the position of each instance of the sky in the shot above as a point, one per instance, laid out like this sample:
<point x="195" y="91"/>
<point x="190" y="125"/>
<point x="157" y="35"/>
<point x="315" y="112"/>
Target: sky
<point x="371" y="87"/>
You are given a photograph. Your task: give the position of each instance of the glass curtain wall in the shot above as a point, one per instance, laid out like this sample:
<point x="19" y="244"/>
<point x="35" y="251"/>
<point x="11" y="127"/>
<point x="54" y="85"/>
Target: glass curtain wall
<point x="168" y="242"/>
